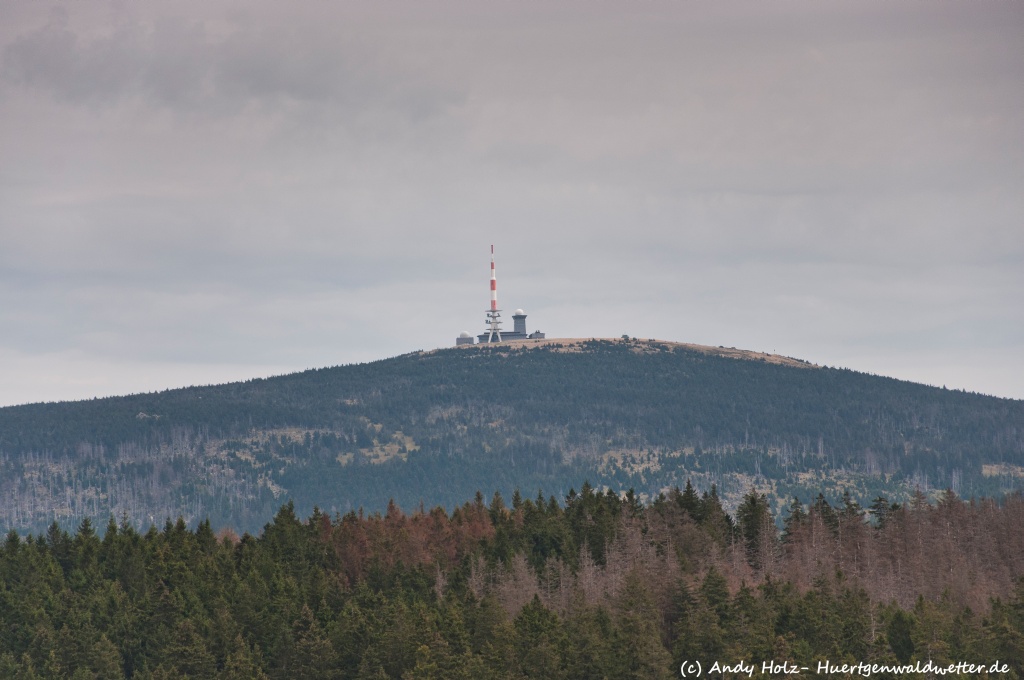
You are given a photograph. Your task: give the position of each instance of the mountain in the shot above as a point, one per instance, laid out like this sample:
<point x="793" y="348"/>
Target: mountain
<point x="434" y="427"/>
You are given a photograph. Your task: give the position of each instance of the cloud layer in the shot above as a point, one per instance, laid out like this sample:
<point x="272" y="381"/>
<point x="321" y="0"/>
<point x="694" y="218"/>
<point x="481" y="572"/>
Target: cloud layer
<point x="200" y="191"/>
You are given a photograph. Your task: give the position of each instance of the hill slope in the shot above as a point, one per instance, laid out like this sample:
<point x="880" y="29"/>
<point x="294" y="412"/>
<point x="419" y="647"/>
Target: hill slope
<point x="434" y="427"/>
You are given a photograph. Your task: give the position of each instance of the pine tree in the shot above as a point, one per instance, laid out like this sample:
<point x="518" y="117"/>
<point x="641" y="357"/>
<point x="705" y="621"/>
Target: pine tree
<point x="241" y="663"/>
<point x="751" y="628"/>
<point x="105" y="661"/>
<point x="899" y="633"/>
<point x="757" y="530"/>
<point x="590" y="645"/>
<point x="313" y="655"/>
<point x="690" y="502"/>
<point x="640" y="654"/>
<point x="714" y="520"/>
<point x="794" y="520"/>
<point x="538" y="641"/>
<point x="189" y="654"/>
<point x="881" y="510"/>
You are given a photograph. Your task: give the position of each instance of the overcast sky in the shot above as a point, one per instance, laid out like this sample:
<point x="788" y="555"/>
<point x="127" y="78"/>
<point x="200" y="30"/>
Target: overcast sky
<point x="197" y="192"/>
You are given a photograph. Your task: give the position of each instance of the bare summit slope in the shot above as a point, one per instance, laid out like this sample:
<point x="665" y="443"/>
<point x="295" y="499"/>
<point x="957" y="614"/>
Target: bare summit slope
<point x="652" y="345"/>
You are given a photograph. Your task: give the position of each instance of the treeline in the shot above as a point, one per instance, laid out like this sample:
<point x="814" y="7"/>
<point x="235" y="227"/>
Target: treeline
<point x="598" y="585"/>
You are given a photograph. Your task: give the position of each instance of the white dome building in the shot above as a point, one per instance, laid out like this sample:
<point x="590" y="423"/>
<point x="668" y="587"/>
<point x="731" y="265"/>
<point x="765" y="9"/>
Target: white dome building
<point x="519" y="323"/>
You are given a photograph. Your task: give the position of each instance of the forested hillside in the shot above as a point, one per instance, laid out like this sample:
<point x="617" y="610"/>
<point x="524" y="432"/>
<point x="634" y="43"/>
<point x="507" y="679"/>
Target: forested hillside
<point x="595" y="586"/>
<point x="434" y="427"/>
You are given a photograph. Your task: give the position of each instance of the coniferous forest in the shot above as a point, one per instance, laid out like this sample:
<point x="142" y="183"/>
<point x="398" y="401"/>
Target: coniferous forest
<point x="592" y="585"/>
<point x="434" y="427"/>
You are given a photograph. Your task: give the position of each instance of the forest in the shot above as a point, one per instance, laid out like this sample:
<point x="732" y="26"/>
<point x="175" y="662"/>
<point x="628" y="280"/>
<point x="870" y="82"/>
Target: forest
<point x="592" y="585"/>
<point x="434" y="427"/>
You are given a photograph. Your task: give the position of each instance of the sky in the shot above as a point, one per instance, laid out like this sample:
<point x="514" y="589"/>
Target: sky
<point x="196" y="192"/>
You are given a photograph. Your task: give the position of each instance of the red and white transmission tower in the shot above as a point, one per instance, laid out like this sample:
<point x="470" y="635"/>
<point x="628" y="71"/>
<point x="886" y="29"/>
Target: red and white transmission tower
<point x="493" y="314"/>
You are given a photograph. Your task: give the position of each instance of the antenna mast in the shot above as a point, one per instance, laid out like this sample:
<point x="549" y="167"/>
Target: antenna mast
<point x="493" y="314"/>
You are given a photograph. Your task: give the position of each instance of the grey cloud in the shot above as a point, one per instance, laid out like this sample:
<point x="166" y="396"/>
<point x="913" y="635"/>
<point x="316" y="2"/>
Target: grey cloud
<point x="215" y="185"/>
<point x="180" y="64"/>
<point x="53" y="57"/>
